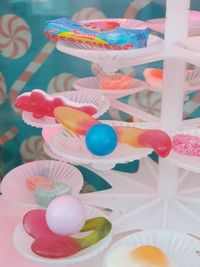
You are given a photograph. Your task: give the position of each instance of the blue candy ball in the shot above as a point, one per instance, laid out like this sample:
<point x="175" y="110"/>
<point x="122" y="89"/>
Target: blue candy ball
<point x="101" y="139"/>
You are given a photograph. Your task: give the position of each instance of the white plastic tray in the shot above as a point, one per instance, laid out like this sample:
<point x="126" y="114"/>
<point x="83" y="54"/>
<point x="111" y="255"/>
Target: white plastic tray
<point x="112" y="60"/>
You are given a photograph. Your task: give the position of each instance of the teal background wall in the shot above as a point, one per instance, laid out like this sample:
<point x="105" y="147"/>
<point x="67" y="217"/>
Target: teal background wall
<point x="22" y="40"/>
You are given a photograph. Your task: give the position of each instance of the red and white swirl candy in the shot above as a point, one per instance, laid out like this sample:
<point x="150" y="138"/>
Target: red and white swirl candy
<point x="15" y="36"/>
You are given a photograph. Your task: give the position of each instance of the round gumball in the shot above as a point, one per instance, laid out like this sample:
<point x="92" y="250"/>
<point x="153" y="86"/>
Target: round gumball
<point x="65" y="215"/>
<point x="101" y="139"/>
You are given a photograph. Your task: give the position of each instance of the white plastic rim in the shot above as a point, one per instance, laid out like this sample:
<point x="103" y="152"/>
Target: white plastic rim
<point x="186" y="162"/>
<point x="95" y="98"/>
<point x="22" y="242"/>
<point x="73" y="149"/>
<point x="124" y="23"/>
<point x="181" y="249"/>
<point x="116" y="59"/>
<point x="159" y="24"/>
<point x="91" y="84"/>
<point x="14" y="187"/>
<point x="190" y="44"/>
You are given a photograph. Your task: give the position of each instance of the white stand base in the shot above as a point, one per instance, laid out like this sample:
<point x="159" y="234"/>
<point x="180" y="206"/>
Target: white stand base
<point x="136" y="204"/>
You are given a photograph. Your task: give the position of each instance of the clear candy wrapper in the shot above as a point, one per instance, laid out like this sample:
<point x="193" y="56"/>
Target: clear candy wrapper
<point x="106" y="35"/>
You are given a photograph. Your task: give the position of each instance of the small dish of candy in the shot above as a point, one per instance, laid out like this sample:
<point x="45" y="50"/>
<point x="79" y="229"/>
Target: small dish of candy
<point x="37" y="106"/>
<point x="66" y="233"/>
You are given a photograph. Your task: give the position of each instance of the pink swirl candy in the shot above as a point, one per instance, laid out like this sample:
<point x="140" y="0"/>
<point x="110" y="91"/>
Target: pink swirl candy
<point x="186" y="144"/>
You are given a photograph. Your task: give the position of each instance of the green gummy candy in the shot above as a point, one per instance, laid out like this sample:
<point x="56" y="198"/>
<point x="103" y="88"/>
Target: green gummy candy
<point x="43" y="197"/>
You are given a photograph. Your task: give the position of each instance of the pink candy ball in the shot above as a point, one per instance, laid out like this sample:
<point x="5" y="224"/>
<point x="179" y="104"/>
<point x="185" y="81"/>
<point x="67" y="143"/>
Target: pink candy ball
<point x="65" y="215"/>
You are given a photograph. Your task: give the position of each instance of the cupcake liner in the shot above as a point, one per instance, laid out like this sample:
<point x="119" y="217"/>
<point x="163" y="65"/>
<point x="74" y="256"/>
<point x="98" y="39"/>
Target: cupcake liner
<point x="73" y="149"/>
<point x="97" y="99"/>
<point x="14" y="183"/>
<point x="181" y="249"/>
<point x="22" y="242"/>
<point x="91" y="84"/>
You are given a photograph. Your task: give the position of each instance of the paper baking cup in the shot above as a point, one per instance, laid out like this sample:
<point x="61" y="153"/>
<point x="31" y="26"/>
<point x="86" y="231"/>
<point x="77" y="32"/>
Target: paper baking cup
<point x="91" y="84"/>
<point x="14" y="183"/>
<point x="97" y="99"/>
<point x="22" y="242"/>
<point x="181" y="249"/>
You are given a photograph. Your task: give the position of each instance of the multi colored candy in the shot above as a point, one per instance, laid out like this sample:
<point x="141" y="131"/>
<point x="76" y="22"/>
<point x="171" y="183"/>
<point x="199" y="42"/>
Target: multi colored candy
<point x="79" y="123"/>
<point x="117" y="81"/>
<point x="185" y="144"/>
<point x="44" y="196"/>
<point x="46" y="190"/>
<point x="49" y="245"/>
<point x="40" y="104"/>
<point x="106" y="35"/>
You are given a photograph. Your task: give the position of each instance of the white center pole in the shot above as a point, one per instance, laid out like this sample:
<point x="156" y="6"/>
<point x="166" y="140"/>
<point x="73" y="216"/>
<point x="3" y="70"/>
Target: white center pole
<point x="176" y="28"/>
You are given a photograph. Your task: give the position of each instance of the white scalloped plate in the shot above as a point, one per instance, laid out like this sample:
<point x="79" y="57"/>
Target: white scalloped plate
<point x="73" y="149"/>
<point x="91" y="84"/>
<point x="181" y="249"/>
<point x="14" y="187"/>
<point x="97" y="99"/>
<point x="22" y="242"/>
<point x="186" y="162"/>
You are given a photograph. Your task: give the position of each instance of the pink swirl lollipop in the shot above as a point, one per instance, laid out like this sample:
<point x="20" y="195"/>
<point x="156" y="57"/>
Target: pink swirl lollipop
<point x="15" y="36"/>
<point x="61" y="83"/>
<point x="88" y="13"/>
<point x="32" y="149"/>
<point x="2" y="89"/>
<point x="186" y="144"/>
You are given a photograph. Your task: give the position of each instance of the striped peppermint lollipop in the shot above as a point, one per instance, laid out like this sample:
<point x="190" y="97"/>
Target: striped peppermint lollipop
<point x="134" y="7"/>
<point x="32" y="149"/>
<point x="2" y="89"/>
<point x="15" y="36"/>
<point x="147" y="101"/>
<point x="60" y="83"/>
<point x="88" y="13"/>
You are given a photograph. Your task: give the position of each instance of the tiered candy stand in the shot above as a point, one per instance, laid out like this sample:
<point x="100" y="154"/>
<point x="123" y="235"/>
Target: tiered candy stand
<point x="164" y="195"/>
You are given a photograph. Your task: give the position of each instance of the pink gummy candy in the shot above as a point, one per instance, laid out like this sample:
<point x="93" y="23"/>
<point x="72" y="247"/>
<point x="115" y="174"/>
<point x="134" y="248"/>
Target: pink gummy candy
<point x="47" y="244"/>
<point x="116" y="82"/>
<point x="186" y="144"/>
<point x="40" y="104"/>
<point x="35" y="181"/>
<point x="35" y="225"/>
<point x="55" y="246"/>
